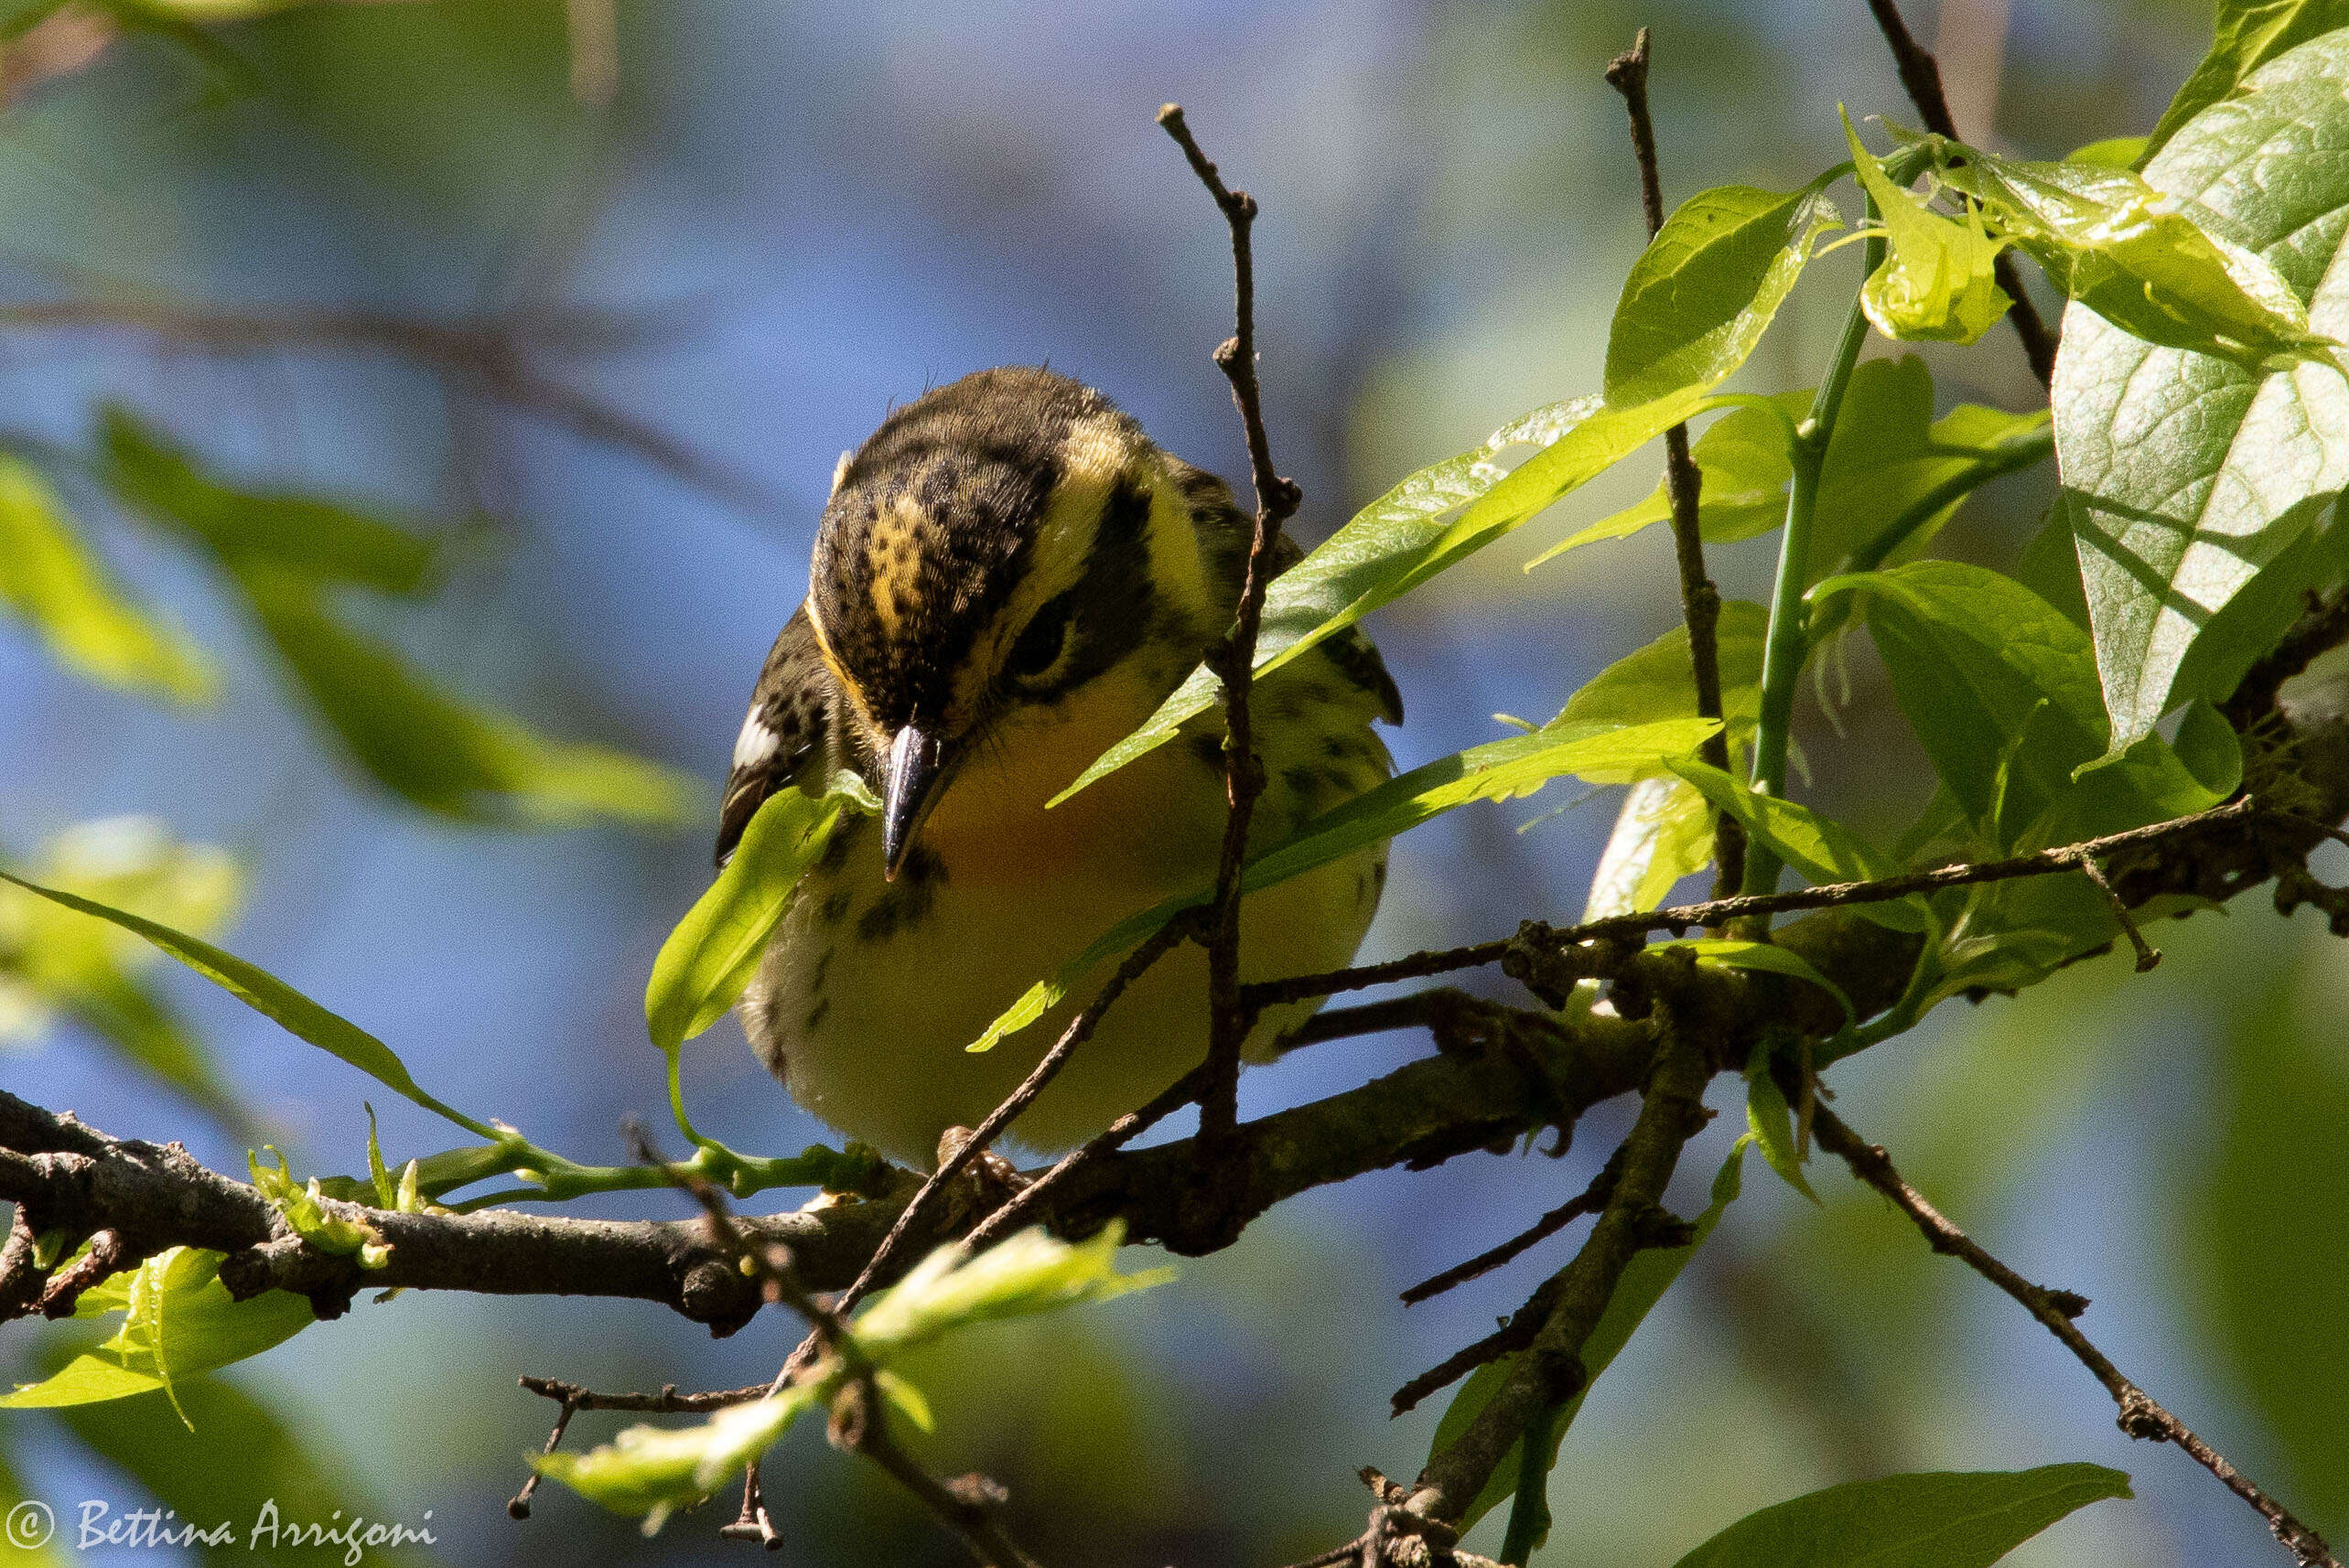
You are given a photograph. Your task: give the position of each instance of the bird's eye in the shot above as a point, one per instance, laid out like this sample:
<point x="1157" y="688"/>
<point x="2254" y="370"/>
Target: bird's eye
<point x="1039" y="645"/>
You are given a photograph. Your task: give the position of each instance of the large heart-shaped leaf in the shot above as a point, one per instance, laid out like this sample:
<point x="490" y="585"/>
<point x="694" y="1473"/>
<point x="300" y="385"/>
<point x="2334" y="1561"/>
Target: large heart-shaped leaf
<point x="2186" y="474"/>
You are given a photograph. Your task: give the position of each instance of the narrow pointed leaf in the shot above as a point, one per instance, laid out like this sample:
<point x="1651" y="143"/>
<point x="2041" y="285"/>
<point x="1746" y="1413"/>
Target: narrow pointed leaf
<point x="1947" y="1519"/>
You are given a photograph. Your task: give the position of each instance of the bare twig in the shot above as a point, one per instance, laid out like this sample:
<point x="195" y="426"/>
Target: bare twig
<point x="2147" y="956"/>
<point x="1234" y="658"/>
<point x="1589" y="1200"/>
<point x="518" y="1506"/>
<point x="966" y="1510"/>
<point x="2140" y="1416"/>
<point x="1921" y="75"/>
<point x="1700" y="600"/>
<point x="1682" y="917"/>
<point x="752" y="1522"/>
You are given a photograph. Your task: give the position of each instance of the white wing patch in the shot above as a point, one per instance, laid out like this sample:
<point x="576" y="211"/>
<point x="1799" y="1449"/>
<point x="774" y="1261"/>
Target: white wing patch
<point x="756" y="744"/>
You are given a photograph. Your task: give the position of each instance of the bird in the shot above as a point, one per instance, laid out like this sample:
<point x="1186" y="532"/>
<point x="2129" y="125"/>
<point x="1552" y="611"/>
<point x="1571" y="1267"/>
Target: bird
<point x="1009" y="577"/>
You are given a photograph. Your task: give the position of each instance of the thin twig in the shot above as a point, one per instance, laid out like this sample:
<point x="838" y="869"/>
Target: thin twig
<point x="1234" y="659"/>
<point x="752" y="1522"/>
<point x="1921" y="75"/>
<point x="1683" y="918"/>
<point x="965" y="1510"/>
<point x="518" y="1506"/>
<point x="668" y="1402"/>
<point x="1589" y="1200"/>
<point x="2140" y="1416"/>
<point x="1120" y="1132"/>
<point x="2147" y="955"/>
<point x="1700" y="600"/>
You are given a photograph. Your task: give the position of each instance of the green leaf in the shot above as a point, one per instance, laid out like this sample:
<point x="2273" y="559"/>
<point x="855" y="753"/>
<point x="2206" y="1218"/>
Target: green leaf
<point x="53" y="961"/>
<point x="2113" y="152"/>
<point x="319" y="539"/>
<point x="1659" y="681"/>
<point x="2246" y="36"/>
<point x="243" y="1464"/>
<point x="269" y="995"/>
<point x="1936" y="281"/>
<point x="1771" y="1122"/>
<point x="650" y="1471"/>
<point x="1695" y="307"/>
<point x="1497" y="770"/>
<point x="1730" y="952"/>
<point x="1663" y="833"/>
<point x="1893" y="475"/>
<point x="1942" y="1520"/>
<point x="2186" y="474"/>
<point x="304" y="1212"/>
<point x="1741" y="461"/>
<point x="711" y="956"/>
<point x="1306" y="602"/>
<point x="436" y="750"/>
<point x="1701" y="294"/>
<point x="2119" y="245"/>
<point x="1974" y="657"/>
<point x="51" y="578"/>
<point x="1645" y="1279"/>
<point x="1824" y="850"/>
<point x="178" y="1320"/>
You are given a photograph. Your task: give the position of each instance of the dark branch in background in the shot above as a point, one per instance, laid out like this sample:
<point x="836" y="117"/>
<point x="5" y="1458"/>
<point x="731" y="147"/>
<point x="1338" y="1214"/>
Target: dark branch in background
<point x="1921" y="75"/>
<point x="2140" y="1416"/>
<point x="1234" y="658"/>
<point x="489" y="357"/>
<point x="1700" y="600"/>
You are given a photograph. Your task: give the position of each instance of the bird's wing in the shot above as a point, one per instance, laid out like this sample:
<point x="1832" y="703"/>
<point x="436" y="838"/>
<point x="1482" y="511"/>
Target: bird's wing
<point x="786" y="738"/>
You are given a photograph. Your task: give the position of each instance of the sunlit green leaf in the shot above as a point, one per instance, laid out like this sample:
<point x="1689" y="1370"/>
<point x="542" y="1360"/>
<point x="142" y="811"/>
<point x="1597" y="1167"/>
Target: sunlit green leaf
<point x="1663" y="833"/>
<point x="1936" y="281"/>
<point x="651" y="1470"/>
<point x="1824" y="850"/>
<point x="2246" y="36"/>
<point x="1659" y="681"/>
<point x="1893" y="475"/>
<point x="712" y="954"/>
<point x="1973" y="657"/>
<point x="1645" y="1279"/>
<point x="269" y="995"/>
<point x="437" y="750"/>
<point x="2188" y="474"/>
<point x="1771" y="1121"/>
<point x="1701" y="294"/>
<point x="1731" y="953"/>
<point x="2113" y="152"/>
<point x="193" y="1326"/>
<point x="1941" y="1519"/>
<point x="50" y="577"/>
<point x="2125" y="248"/>
<point x="1497" y="770"/>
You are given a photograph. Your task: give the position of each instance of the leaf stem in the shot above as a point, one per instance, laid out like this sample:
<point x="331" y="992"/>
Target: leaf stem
<point x="2005" y="458"/>
<point x="1529" y="1510"/>
<point x="1784" y="646"/>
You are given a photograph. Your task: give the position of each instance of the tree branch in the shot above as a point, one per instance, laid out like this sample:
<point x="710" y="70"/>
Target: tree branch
<point x="1700" y="600"/>
<point x="2140" y="1416"/>
<point x="1234" y="659"/>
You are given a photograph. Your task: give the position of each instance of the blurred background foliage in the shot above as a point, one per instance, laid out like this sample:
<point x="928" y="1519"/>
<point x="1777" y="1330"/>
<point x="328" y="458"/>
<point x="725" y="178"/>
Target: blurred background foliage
<point x="494" y="357"/>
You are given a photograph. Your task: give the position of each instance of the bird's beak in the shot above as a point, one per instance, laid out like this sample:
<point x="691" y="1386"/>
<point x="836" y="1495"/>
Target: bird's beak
<point x="914" y="772"/>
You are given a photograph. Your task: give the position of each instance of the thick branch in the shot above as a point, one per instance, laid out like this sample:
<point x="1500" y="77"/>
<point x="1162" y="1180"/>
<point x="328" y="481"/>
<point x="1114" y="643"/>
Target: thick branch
<point x="2140" y="1416"/>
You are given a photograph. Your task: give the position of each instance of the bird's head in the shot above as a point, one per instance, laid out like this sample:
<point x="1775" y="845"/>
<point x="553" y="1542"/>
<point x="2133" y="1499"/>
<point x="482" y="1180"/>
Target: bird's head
<point x="994" y="550"/>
